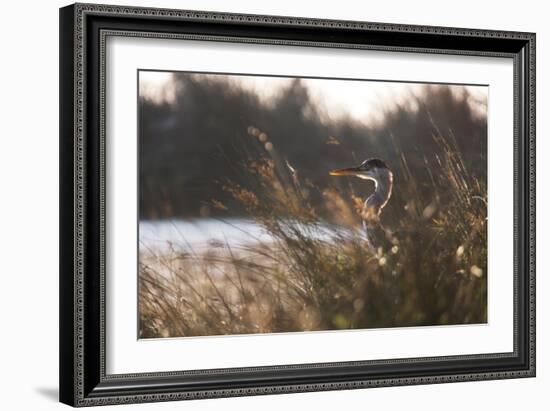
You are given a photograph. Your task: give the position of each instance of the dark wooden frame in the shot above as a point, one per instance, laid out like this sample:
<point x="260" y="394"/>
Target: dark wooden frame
<point x="83" y="29"/>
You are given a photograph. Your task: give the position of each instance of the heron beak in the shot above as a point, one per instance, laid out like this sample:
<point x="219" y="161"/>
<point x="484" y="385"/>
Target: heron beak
<point x="351" y="171"/>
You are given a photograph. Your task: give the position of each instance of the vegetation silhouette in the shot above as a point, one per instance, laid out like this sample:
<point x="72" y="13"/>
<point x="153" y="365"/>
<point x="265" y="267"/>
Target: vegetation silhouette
<point x="187" y="146"/>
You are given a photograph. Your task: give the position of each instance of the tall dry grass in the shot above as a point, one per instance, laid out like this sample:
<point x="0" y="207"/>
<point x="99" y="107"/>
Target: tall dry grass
<point x="318" y="272"/>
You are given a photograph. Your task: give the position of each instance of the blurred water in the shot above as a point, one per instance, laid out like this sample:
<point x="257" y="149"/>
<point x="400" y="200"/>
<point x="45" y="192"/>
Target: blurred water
<point x="203" y="233"/>
<point x="199" y="233"/>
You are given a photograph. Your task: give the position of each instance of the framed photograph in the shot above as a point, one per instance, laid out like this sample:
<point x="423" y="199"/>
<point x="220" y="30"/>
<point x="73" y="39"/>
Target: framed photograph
<point x="261" y="204"/>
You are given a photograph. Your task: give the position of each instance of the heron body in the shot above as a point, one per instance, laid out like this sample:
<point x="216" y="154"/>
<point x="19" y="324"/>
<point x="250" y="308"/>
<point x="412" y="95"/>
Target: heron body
<point x="377" y="171"/>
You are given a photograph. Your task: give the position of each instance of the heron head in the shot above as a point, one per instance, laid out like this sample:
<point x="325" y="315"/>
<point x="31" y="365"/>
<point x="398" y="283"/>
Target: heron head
<point x="370" y="169"/>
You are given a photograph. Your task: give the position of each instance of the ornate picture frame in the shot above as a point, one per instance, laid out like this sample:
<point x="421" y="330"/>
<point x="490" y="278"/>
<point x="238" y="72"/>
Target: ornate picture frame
<point x="84" y="31"/>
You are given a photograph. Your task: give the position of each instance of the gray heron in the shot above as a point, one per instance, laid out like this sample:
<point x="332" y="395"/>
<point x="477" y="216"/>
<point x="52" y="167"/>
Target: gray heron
<point x="377" y="171"/>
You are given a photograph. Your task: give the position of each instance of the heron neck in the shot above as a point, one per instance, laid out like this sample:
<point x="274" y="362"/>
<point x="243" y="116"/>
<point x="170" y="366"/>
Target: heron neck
<point x="382" y="193"/>
<point x="383" y="187"/>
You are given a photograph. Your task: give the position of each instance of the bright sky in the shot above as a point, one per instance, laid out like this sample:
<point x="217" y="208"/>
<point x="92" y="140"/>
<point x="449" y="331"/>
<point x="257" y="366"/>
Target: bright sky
<point x="362" y="100"/>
